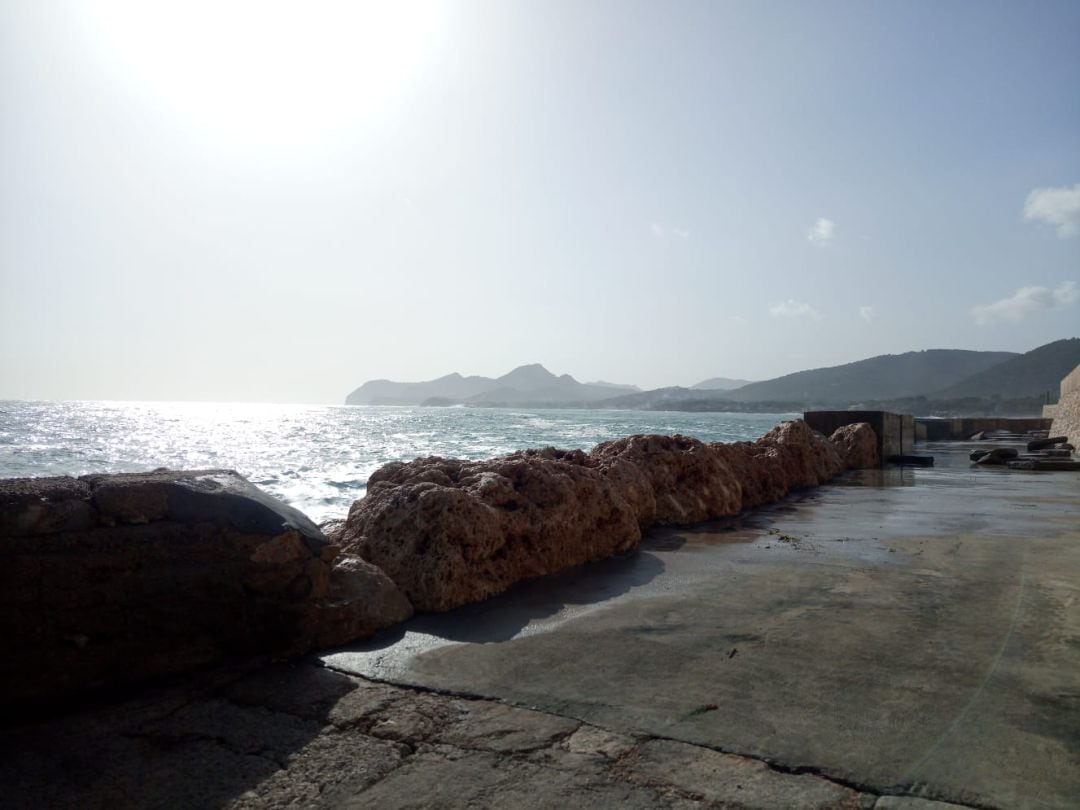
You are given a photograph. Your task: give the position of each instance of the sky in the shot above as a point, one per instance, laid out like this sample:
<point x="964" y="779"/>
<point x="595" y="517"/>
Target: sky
<point x="269" y="201"/>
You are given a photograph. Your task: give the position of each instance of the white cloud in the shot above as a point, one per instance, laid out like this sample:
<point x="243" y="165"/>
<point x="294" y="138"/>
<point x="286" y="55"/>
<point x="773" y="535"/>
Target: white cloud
<point x="867" y="314"/>
<point x="1027" y="301"/>
<point x="1067" y="292"/>
<point x="794" y="309"/>
<point x="1056" y="206"/>
<point x="661" y="231"/>
<point x="821" y="233"/>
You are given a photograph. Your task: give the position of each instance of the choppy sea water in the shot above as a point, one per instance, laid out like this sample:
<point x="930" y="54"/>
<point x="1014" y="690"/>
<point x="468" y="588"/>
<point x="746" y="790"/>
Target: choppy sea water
<point x="316" y="458"/>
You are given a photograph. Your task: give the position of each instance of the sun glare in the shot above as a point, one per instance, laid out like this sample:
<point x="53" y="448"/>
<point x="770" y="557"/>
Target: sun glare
<point x="266" y="73"/>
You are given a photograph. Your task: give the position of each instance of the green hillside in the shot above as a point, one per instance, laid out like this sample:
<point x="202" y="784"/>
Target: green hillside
<point x="886" y="376"/>
<point x="1031" y="374"/>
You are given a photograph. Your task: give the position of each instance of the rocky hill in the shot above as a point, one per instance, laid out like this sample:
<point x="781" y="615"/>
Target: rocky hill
<point x="531" y="385"/>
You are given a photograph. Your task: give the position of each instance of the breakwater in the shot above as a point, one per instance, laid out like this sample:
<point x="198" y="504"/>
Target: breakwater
<point x="449" y="532"/>
<point x="107" y="580"/>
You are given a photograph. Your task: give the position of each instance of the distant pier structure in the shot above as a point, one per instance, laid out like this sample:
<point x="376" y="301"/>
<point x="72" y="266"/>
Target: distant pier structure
<point x="895" y="431"/>
<point x="938" y="429"/>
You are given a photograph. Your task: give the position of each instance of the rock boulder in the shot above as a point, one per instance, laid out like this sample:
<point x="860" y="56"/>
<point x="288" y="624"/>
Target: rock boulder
<point x="994" y="455"/>
<point x="807" y="457"/>
<point x="857" y="445"/>
<point x="110" y="579"/>
<point x="449" y="532"/>
<point x="678" y="480"/>
<point x="1049" y="441"/>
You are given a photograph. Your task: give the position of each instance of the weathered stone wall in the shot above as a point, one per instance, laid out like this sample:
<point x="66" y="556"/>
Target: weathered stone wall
<point x="109" y="579"/>
<point x="1071" y="383"/>
<point x="1067" y="412"/>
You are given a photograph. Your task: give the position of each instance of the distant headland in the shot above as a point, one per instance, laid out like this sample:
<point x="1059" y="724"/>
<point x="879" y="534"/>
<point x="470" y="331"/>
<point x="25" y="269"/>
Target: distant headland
<point x="933" y="382"/>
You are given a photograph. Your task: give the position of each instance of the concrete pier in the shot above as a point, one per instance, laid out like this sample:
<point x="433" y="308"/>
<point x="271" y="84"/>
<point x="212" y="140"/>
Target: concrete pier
<point x="902" y="639"/>
<point x="910" y="631"/>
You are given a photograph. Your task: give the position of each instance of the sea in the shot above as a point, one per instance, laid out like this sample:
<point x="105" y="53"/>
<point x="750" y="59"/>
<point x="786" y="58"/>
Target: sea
<point x="317" y="458"/>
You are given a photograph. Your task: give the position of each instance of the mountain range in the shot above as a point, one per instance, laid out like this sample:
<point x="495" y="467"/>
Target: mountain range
<point x="933" y="380"/>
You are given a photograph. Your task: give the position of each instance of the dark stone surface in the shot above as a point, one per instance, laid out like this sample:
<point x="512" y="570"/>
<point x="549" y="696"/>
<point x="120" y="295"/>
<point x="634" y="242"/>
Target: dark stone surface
<point x="993" y="455"/>
<point x="222" y="497"/>
<point x="301" y="736"/>
<point x="1040" y="444"/>
<point x="1044" y="464"/>
<point x="110" y="579"/>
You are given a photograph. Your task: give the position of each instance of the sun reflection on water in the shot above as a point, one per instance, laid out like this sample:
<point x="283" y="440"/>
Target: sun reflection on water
<point x="317" y="458"/>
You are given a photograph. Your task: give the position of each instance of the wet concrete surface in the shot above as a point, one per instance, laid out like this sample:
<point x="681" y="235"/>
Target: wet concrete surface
<point x="909" y="630"/>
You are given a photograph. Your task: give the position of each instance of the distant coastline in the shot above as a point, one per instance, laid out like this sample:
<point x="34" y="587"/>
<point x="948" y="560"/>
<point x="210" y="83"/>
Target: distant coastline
<point x="917" y="406"/>
<point x="934" y="382"/>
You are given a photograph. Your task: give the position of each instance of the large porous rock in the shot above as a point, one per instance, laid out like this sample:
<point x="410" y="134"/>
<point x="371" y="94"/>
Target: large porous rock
<point x="857" y="445"/>
<point x="361" y="599"/>
<point x="809" y="459"/>
<point x="449" y="532"/>
<point x="790" y="456"/>
<point x="670" y="479"/>
<point x="109" y="579"/>
<point x="759" y="471"/>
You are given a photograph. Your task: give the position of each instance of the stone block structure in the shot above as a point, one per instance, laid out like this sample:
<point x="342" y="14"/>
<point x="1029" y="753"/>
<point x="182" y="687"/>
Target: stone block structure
<point x="1067" y="411"/>
<point x="895" y="432"/>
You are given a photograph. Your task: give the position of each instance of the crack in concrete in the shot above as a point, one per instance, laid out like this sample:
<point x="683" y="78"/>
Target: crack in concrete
<point x="876" y="791"/>
<point x="963" y="713"/>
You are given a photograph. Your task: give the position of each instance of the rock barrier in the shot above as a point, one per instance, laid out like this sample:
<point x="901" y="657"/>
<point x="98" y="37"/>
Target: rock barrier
<point x="449" y="532"/>
<point x="107" y="580"/>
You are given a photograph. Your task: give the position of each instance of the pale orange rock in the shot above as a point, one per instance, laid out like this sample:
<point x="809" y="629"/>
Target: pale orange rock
<point x="689" y="482"/>
<point x="450" y="532"/>
<point x="857" y="444"/>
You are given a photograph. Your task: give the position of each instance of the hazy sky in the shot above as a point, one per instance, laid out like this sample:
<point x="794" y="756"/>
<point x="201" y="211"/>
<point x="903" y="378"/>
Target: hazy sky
<point x="278" y="201"/>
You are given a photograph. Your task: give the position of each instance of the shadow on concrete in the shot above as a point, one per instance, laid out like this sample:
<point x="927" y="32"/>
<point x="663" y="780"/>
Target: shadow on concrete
<point x="200" y="744"/>
<point x="503" y="617"/>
